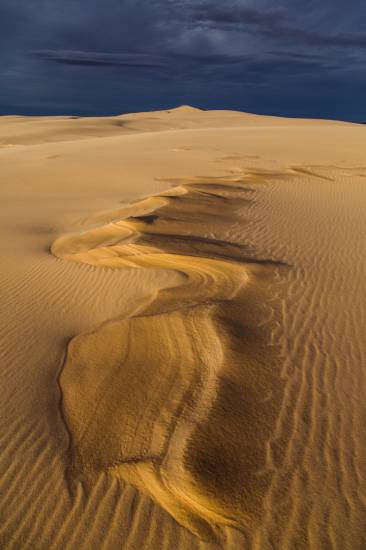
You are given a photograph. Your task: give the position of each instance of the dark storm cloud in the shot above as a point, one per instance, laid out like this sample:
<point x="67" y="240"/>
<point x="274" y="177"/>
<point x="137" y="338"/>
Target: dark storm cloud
<point x="142" y="60"/>
<point x="342" y="40"/>
<point x="300" y="56"/>
<point x="200" y="68"/>
<point x="215" y="14"/>
<point x="274" y="23"/>
<point x="72" y="57"/>
<point x="119" y="55"/>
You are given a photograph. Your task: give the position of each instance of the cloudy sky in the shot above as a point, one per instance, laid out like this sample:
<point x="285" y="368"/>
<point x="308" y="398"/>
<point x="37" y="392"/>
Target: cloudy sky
<point x="91" y="57"/>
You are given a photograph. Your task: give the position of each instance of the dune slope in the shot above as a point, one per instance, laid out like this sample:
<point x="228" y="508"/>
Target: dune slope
<point x="182" y="369"/>
<point x="136" y="393"/>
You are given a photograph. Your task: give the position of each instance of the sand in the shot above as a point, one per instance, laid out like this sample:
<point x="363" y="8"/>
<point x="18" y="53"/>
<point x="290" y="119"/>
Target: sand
<point x="182" y="332"/>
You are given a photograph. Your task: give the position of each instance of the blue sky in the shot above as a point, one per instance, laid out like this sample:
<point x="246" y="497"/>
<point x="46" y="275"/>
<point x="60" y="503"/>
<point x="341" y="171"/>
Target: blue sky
<point x="99" y="57"/>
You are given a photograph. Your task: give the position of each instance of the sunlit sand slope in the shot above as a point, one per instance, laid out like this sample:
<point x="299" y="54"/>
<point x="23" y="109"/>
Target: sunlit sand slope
<point x="172" y="399"/>
<point x="239" y="421"/>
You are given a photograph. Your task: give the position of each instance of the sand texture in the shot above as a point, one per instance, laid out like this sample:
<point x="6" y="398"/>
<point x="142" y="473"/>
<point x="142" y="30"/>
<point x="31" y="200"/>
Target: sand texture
<point x="182" y="341"/>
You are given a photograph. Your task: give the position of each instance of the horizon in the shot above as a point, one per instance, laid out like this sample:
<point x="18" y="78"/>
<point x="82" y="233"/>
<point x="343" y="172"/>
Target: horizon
<point x="118" y="114"/>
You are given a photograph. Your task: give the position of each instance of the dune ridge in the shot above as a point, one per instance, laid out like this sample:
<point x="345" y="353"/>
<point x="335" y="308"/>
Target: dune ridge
<point x="137" y="392"/>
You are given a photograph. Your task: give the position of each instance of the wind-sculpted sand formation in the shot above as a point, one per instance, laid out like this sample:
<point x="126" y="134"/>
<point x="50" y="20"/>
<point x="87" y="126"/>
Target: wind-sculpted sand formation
<point x="184" y="369"/>
<point x="174" y="397"/>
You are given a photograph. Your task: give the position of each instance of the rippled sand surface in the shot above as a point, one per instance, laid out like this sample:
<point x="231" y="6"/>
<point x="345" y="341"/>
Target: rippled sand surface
<point x="182" y="332"/>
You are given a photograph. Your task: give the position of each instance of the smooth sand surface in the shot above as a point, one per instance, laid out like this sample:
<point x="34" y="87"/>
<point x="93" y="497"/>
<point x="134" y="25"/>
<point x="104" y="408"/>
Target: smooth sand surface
<point x="182" y="332"/>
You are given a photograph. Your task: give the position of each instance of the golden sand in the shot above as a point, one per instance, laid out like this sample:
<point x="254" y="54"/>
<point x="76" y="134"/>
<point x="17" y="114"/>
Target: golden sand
<point x="183" y="369"/>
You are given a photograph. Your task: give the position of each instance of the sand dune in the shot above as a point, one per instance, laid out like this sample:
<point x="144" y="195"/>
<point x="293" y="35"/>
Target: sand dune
<point x="184" y="368"/>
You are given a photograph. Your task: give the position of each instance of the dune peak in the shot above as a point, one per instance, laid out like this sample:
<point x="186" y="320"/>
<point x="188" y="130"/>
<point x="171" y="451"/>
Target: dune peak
<point x="186" y="109"/>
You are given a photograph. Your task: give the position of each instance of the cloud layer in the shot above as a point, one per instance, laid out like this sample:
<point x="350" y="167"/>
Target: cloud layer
<point x="284" y="57"/>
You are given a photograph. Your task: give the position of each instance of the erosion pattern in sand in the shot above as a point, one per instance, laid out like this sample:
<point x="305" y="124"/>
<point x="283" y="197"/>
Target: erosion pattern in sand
<point x="256" y="438"/>
<point x="178" y="399"/>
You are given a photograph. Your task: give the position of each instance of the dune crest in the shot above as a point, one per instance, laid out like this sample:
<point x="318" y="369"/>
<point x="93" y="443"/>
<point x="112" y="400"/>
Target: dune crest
<point x="186" y="109"/>
<point x="140" y="395"/>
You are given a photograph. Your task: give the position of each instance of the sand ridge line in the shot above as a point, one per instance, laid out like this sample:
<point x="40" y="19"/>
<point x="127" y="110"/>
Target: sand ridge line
<point x="171" y="357"/>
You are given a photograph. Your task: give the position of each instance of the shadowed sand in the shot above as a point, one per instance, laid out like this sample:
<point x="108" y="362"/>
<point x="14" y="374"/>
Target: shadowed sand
<point x="172" y="399"/>
<point x="182" y="332"/>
